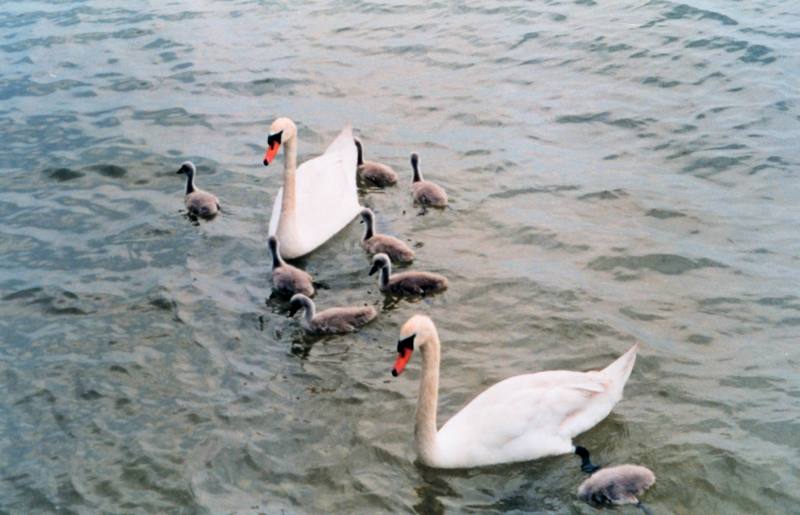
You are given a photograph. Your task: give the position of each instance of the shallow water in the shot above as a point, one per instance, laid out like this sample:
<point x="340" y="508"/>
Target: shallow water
<point x="617" y="174"/>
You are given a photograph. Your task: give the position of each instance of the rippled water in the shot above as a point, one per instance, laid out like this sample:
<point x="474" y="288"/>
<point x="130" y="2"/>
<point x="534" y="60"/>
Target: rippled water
<point x="617" y="172"/>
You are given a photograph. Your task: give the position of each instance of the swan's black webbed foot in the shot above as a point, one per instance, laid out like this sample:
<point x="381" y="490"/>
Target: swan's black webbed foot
<point x="586" y="463"/>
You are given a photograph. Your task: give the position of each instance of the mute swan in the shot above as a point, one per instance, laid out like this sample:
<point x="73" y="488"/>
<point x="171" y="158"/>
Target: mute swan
<point x="377" y="174"/>
<point x="617" y="485"/>
<point x="426" y="193"/>
<point x="406" y="283"/>
<point x="317" y="199"/>
<point x="333" y="320"/>
<point x="288" y="279"/>
<point x="198" y="202"/>
<point x="373" y="243"/>
<point x="521" y="418"/>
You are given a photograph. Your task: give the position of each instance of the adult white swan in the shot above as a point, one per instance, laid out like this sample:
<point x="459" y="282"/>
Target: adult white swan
<point x="317" y="199"/>
<point x="522" y="418"/>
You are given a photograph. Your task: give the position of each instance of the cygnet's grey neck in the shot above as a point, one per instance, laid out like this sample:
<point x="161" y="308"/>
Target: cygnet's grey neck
<point x="415" y="166"/>
<point x="386" y="272"/>
<point x="277" y="260"/>
<point x="360" y="152"/>
<point x="309" y="309"/>
<point x="369" y="226"/>
<point x="190" y="187"/>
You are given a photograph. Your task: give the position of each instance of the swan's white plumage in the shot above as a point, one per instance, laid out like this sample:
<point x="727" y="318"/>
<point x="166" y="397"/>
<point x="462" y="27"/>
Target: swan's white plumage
<point x="521" y="418"/>
<point x="527" y="417"/>
<point x="326" y="199"/>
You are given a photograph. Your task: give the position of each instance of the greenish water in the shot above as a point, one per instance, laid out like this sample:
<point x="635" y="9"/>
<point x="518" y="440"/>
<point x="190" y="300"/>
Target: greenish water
<point x="617" y="174"/>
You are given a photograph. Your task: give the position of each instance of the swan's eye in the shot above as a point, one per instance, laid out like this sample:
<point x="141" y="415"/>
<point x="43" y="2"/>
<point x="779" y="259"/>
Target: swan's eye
<point x="406" y="343"/>
<point x="272" y="139"/>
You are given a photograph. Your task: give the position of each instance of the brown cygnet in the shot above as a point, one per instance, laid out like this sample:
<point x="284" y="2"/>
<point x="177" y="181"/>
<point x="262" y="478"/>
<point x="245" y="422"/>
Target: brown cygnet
<point x="406" y="283"/>
<point x="198" y="202"/>
<point x="333" y="320"/>
<point x="375" y="243"/>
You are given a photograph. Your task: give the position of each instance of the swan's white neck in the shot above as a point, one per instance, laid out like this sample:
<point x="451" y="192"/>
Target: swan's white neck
<point x="425" y="432"/>
<point x="289" y="203"/>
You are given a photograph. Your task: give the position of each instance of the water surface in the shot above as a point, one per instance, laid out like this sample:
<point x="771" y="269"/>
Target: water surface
<point x="617" y="174"/>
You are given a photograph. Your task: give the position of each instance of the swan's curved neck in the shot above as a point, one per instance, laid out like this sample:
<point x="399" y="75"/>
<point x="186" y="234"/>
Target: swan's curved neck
<point x="386" y="272"/>
<point x="425" y="427"/>
<point x="369" y="228"/>
<point x="190" y="187"/>
<point x="289" y="202"/>
<point x="360" y="154"/>
<point x="417" y="173"/>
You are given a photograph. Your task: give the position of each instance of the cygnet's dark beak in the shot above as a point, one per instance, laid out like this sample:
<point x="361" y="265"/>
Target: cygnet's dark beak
<point x="375" y="268"/>
<point x="179" y="171"/>
<point x="293" y="309"/>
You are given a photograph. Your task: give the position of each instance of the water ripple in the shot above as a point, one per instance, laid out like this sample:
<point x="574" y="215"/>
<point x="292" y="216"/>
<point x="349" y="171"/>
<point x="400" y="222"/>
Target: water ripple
<point x="618" y="173"/>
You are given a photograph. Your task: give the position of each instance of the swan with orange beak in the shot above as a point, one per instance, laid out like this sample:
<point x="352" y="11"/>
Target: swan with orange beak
<point x="273" y="145"/>
<point x="521" y="418"/>
<point x="318" y="198"/>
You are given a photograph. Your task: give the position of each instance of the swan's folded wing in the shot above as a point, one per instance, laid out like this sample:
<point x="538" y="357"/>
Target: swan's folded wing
<point x="327" y="195"/>
<point x="343" y="143"/>
<point x="531" y="415"/>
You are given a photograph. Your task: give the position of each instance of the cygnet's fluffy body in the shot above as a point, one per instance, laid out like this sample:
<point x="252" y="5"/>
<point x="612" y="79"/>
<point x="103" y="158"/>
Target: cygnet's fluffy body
<point x="198" y="202"/>
<point x="333" y="320"/>
<point x="288" y="279"/>
<point x="376" y="174"/>
<point x="426" y="193"/>
<point x="406" y="283"/>
<point x="375" y="243"/>
<point x="616" y="485"/>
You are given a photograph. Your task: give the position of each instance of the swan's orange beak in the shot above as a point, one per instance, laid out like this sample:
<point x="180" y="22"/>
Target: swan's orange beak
<point x="400" y="363"/>
<point x="271" y="152"/>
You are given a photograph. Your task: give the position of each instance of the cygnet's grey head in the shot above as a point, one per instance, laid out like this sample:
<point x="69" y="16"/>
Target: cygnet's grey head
<point x="300" y="301"/>
<point x="188" y="168"/>
<point x="367" y="214"/>
<point x="368" y="218"/>
<point x="380" y="261"/>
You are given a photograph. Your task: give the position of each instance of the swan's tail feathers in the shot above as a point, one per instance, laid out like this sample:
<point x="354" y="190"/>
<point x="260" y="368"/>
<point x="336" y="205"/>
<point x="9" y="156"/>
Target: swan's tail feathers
<point x="343" y="141"/>
<point x="619" y="371"/>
